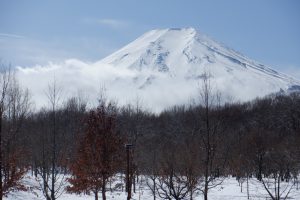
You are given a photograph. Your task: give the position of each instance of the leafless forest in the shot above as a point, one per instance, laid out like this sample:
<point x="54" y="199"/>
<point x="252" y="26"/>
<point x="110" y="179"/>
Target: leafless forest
<point x="181" y="150"/>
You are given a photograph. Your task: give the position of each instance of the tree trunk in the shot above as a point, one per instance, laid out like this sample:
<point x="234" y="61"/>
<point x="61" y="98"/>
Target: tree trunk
<point x="103" y="194"/>
<point x="96" y="195"/>
<point x="206" y="187"/>
<point x="110" y="185"/>
<point x="278" y="188"/>
<point x="259" y="176"/>
<point x="207" y="146"/>
<point x="122" y="181"/>
<point x="53" y="156"/>
<point x="241" y="187"/>
<point x="206" y="176"/>
<point x="104" y="189"/>
<point x="248" y="186"/>
<point x="1" y="183"/>
<point x="205" y="195"/>
<point x="134" y="182"/>
<point x="154" y="189"/>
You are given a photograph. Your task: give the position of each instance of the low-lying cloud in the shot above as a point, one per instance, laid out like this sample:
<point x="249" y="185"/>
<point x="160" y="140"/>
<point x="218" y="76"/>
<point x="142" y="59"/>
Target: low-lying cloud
<point x="155" y="90"/>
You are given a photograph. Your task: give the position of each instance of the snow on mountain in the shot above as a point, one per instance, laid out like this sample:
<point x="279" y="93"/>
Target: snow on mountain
<point x="165" y="67"/>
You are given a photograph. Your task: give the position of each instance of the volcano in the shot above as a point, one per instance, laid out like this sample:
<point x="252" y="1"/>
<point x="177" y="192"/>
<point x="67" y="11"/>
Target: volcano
<point x="166" y="67"/>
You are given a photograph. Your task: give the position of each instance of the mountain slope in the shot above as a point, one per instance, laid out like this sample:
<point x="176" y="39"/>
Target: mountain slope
<point x="186" y="54"/>
<point x="183" y="50"/>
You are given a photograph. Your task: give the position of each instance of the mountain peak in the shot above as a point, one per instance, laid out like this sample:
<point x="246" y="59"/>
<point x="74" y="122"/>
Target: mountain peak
<point x="185" y="29"/>
<point x="185" y="53"/>
<point x="169" y="32"/>
<point x="153" y="49"/>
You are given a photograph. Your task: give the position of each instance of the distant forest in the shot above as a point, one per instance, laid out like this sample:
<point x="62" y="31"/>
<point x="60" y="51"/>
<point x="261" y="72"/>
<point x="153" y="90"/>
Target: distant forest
<point x="181" y="150"/>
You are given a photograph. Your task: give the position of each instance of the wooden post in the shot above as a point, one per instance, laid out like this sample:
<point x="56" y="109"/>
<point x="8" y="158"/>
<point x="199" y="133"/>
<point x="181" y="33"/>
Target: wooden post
<point x="128" y="171"/>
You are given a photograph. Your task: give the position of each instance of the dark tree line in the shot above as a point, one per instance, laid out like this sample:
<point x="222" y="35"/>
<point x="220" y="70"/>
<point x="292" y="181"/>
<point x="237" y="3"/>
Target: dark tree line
<point x="182" y="151"/>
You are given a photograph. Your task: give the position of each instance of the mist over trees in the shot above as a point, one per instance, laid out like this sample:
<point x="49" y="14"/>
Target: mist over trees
<point x="181" y="151"/>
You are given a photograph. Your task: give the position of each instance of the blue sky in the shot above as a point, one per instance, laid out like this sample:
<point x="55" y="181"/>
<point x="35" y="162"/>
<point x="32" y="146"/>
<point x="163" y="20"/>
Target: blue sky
<point x="37" y="32"/>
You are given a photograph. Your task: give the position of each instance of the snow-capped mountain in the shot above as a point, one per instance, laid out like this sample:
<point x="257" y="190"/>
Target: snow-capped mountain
<point x="187" y="52"/>
<point x="185" y="55"/>
<point x="165" y="67"/>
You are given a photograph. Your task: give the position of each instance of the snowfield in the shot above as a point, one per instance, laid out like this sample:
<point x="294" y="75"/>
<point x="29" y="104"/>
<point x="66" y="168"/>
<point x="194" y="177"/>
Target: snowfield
<point x="228" y="190"/>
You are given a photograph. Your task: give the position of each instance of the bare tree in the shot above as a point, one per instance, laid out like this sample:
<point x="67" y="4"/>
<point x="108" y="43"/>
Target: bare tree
<point x="14" y="107"/>
<point x="52" y="179"/>
<point x="151" y="166"/>
<point x="214" y="157"/>
<point x="279" y="163"/>
<point x="5" y="79"/>
<point x="172" y="182"/>
<point x="178" y="168"/>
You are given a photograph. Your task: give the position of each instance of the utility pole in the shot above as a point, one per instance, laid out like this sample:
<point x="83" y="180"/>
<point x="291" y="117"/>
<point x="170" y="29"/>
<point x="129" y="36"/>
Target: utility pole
<point x="128" y="170"/>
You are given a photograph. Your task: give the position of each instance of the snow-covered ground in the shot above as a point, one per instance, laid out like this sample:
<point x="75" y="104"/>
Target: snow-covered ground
<point x="229" y="190"/>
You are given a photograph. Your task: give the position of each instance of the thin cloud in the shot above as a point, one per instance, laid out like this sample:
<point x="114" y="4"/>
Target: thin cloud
<point x="111" y="23"/>
<point x="8" y="35"/>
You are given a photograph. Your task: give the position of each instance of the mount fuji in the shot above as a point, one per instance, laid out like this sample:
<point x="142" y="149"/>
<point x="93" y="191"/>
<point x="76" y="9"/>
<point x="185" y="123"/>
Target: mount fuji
<point x="165" y="67"/>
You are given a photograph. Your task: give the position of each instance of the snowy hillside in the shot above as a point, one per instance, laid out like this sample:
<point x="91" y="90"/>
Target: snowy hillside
<point x="163" y="68"/>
